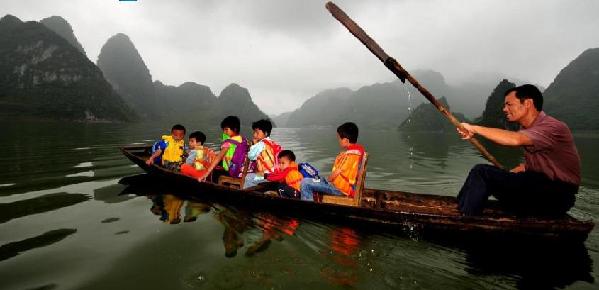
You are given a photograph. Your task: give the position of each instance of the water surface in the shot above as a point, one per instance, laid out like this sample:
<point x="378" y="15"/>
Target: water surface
<point x="67" y="223"/>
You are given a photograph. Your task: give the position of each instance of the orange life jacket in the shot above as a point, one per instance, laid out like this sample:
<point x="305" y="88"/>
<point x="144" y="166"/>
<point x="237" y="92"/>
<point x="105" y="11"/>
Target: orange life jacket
<point x="349" y="164"/>
<point x="294" y="178"/>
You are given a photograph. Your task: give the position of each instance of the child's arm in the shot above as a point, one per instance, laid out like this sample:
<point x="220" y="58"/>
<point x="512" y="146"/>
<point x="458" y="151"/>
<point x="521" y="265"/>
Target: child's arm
<point x="154" y="155"/>
<point x="277" y="177"/>
<point x="213" y="164"/>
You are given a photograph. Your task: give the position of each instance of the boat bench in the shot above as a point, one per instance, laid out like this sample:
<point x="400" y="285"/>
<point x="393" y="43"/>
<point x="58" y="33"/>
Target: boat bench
<point x="356" y="200"/>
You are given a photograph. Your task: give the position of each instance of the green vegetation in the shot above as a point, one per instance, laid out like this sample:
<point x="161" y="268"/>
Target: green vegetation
<point x="573" y="97"/>
<point x="61" y="27"/>
<point x="493" y="115"/>
<point x="44" y="76"/>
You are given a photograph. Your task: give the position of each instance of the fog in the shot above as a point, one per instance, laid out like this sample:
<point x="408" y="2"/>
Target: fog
<point x="286" y="51"/>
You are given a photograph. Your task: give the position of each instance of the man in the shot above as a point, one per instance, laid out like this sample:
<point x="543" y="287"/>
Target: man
<point x="545" y="184"/>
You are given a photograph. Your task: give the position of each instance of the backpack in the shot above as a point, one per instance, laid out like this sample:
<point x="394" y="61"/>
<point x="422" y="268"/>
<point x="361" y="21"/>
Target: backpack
<point x="276" y="149"/>
<point x="307" y="170"/>
<point x="241" y="151"/>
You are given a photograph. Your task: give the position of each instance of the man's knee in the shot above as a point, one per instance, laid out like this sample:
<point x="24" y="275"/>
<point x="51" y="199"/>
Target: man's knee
<point x="480" y="168"/>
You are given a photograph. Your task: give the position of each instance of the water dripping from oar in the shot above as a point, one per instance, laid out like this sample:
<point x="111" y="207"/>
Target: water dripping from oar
<point x="411" y="147"/>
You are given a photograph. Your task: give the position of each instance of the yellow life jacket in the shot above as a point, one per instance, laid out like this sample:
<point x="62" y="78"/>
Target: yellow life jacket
<point x="173" y="150"/>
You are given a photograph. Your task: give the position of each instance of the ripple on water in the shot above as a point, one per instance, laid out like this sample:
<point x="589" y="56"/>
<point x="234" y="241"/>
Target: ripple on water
<point x="84" y="165"/>
<point x="82" y="148"/>
<point x="7" y="184"/>
<point x="81" y="174"/>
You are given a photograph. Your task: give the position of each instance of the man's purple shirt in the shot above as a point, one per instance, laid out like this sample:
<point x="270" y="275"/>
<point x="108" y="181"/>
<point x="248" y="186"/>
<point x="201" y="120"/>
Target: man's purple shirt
<point x="553" y="151"/>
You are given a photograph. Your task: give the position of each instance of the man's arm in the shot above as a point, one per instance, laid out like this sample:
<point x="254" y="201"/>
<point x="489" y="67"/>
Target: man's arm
<point x="499" y="136"/>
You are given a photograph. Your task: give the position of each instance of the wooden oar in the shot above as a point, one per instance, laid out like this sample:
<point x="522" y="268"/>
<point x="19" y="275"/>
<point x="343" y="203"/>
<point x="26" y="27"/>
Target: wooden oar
<point x="401" y="73"/>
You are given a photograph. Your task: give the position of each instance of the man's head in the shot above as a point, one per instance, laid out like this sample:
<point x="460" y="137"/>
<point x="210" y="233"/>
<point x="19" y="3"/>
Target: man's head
<point x="347" y="134"/>
<point x="262" y="129"/>
<point x="196" y="138"/>
<point x="286" y="158"/>
<point x="521" y="102"/>
<point x="231" y="126"/>
<point x="178" y="132"/>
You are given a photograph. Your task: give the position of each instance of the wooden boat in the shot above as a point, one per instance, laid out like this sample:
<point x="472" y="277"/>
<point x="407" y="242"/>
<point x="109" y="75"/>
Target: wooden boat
<point x="424" y="214"/>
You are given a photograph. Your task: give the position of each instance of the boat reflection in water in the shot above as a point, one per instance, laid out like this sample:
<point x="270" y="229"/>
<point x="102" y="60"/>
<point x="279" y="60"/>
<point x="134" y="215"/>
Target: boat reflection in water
<point x="168" y="207"/>
<point x="348" y="255"/>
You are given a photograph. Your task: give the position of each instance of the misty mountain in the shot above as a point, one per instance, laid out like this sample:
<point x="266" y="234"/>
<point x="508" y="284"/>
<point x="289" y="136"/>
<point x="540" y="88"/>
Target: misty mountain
<point x="189" y="102"/>
<point x="324" y="109"/>
<point x="61" y="27"/>
<point x="281" y="119"/>
<point x="493" y="115"/>
<point x="126" y="71"/>
<point x="384" y="105"/>
<point x="427" y="118"/>
<point x="43" y="76"/>
<point x="236" y="100"/>
<point x="573" y="97"/>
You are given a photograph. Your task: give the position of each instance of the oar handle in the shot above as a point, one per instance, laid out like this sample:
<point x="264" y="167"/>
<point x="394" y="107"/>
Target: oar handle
<point x="394" y="66"/>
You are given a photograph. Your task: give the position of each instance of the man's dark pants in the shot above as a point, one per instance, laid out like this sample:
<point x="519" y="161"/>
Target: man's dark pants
<point x="524" y="193"/>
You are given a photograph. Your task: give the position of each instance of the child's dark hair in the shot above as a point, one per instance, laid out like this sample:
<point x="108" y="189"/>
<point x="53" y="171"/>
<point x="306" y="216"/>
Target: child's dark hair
<point x="264" y="125"/>
<point x="348" y="130"/>
<point x="231" y="122"/>
<point x="199" y="136"/>
<point x="178" y="127"/>
<point x="287" y="154"/>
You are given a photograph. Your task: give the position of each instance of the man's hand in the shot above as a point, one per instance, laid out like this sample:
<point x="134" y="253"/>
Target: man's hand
<point x="467" y="132"/>
<point x="149" y="161"/>
<point x="520" y="168"/>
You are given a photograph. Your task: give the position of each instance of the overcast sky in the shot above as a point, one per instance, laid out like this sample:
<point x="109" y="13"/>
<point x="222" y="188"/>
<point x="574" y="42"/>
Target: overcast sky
<point x="286" y="51"/>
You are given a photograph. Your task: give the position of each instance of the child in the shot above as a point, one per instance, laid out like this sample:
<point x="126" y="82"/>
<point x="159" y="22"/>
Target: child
<point x="288" y="174"/>
<point x="199" y="156"/>
<point x="232" y="142"/>
<point x="263" y="153"/>
<point x="168" y="152"/>
<point x="342" y="180"/>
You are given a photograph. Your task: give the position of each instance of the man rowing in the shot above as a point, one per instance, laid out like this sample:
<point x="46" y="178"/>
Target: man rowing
<point x="547" y="181"/>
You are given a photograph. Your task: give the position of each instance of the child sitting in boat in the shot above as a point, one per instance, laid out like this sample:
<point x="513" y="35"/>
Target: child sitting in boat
<point x="198" y="158"/>
<point x="263" y="154"/>
<point x="342" y="180"/>
<point x="233" y="151"/>
<point x="168" y="152"/>
<point x="288" y="174"/>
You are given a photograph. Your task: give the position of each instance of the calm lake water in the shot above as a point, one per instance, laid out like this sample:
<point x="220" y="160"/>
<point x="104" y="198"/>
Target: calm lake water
<point x="67" y="223"/>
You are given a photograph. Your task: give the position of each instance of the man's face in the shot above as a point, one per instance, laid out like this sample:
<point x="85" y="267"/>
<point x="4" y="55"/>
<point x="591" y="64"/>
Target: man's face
<point x="178" y="134"/>
<point x="514" y="109"/>
<point x="284" y="162"/>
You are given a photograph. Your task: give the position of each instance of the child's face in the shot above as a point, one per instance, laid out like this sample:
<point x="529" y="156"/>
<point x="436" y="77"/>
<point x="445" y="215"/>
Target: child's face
<point x="193" y="143"/>
<point x="227" y="131"/>
<point x="284" y="162"/>
<point x="259" y="134"/>
<point x="178" y="134"/>
<point x="343" y="142"/>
